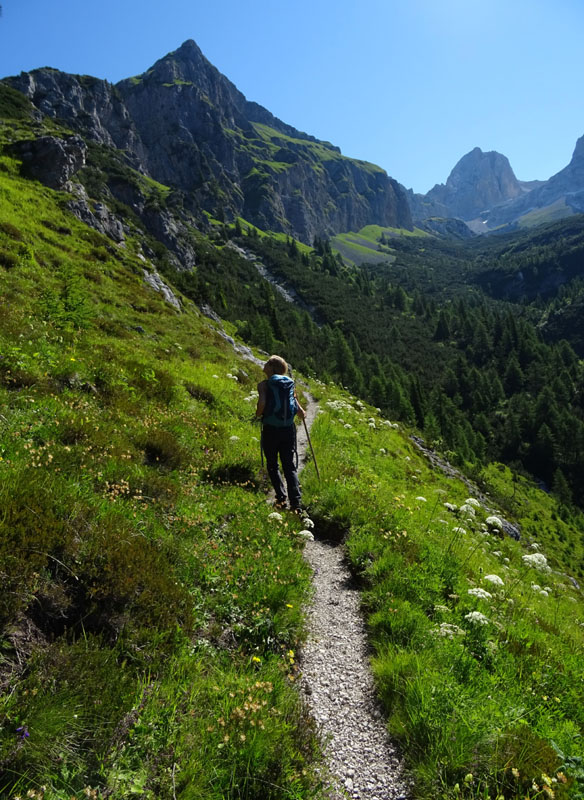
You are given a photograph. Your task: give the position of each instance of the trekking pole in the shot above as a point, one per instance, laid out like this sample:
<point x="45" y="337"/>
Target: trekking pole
<point x="311" y="449"/>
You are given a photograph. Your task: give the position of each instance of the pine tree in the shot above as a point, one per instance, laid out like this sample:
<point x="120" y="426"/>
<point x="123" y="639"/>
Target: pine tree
<point x="442" y="333"/>
<point x="561" y="488"/>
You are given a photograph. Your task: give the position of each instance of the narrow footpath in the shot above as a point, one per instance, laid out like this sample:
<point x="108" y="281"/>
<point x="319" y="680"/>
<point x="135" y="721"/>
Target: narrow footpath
<point x="337" y="683"/>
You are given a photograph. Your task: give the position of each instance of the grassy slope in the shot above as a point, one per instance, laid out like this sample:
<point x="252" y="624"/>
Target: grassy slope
<point x="482" y="690"/>
<point x="150" y="606"/>
<point x="363" y="247"/>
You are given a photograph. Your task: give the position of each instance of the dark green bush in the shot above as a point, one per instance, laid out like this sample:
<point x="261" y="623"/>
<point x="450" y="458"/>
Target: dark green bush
<point x="162" y="449"/>
<point x="200" y="393"/>
<point x="11" y="230"/>
<point x="8" y="259"/>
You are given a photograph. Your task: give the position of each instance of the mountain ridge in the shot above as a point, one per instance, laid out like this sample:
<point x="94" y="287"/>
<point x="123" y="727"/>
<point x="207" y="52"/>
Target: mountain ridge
<point x="483" y="191"/>
<point x="229" y="156"/>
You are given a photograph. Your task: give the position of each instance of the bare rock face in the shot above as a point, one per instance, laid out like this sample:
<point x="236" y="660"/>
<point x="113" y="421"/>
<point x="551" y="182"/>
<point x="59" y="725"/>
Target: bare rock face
<point x="51" y="160"/>
<point x="188" y="127"/>
<point x="565" y="187"/>
<point x="478" y="182"/>
<point x="99" y="216"/>
<point x="483" y="190"/>
<point x="89" y="105"/>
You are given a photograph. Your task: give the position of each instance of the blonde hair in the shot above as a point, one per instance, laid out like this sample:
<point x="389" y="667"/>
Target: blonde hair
<point x="277" y="365"/>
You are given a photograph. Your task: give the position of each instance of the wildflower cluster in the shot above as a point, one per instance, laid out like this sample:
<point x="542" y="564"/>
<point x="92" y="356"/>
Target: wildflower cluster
<point x="251" y="708"/>
<point x="536" y="561"/>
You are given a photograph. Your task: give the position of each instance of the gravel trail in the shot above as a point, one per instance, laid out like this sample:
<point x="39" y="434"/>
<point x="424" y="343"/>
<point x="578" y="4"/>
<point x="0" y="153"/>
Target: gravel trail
<point x="337" y="682"/>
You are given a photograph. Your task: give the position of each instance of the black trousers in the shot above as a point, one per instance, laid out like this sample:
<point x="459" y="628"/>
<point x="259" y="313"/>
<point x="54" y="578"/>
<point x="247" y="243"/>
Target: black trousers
<point x="282" y="442"/>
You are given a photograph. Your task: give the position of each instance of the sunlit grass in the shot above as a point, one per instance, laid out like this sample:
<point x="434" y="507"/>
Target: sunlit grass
<point x="478" y="638"/>
<point x="150" y="606"/>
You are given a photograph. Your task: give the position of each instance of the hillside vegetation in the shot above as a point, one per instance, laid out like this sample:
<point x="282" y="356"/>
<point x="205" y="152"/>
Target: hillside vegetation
<point x="152" y="609"/>
<point x="150" y="606"/>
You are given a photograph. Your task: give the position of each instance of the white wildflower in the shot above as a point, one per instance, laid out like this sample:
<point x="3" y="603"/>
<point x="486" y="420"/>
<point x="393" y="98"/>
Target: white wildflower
<point x="421" y="499"/>
<point x="234" y="438"/>
<point x="480" y="594"/>
<point x="536" y="561"/>
<point x="536" y="587"/>
<point x="442" y="609"/>
<point x="544" y="593"/>
<point x="306" y="535"/>
<point x="495" y="580"/>
<point x="467" y="509"/>
<point x="277" y="517"/>
<point x="534" y="546"/>
<point x="497" y="553"/>
<point x="347" y="426"/>
<point x="472" y="501"/>
<point x="214" y="376"/>
<point x="448" y="630"/>
<point x="383" y="451"/>
<point x="308" y="522"/>
<point x="494" y="522"/>
<point x="450" y="506"/>
<point x="459" y="530"/>
<point x="387" y="423"/>
<point x="372" y="425"/>
<point x="476" y="618"/>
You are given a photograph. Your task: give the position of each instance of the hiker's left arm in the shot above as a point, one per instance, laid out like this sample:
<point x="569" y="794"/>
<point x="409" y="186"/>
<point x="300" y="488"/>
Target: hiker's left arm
<point x="261" y="398"/>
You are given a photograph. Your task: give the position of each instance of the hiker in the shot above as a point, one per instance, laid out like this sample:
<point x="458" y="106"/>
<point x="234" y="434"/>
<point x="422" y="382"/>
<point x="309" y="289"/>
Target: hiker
<point x="277" y="405"/>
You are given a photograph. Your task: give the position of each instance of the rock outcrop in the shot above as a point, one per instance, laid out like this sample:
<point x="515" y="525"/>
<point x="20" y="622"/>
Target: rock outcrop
<point x="49" y="159"/>
<point x="188" y="127"/>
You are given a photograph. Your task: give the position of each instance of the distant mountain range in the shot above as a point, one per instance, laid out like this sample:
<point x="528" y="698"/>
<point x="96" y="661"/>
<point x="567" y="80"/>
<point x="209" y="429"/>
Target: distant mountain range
<point x="482" y="190"/>
<point x="188" y="127"/>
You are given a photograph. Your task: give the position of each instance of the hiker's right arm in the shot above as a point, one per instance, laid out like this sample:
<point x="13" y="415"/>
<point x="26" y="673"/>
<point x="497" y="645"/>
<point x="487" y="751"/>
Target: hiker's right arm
<point x="300" y="411"/>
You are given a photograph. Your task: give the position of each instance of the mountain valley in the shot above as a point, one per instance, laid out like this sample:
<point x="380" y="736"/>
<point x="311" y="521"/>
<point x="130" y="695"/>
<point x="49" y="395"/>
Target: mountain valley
<point x="158" y="238"/>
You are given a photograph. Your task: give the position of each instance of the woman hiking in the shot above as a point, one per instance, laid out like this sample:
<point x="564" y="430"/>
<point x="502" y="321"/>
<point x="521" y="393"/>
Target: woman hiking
<point x="277" y="406"/>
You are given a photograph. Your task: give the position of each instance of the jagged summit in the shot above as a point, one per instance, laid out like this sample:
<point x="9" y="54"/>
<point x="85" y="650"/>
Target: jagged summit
<point x="478" y="181"/>
<point x="186" y="125"/>
<point x="187" y="64"/>
<point x="483" y="191"/>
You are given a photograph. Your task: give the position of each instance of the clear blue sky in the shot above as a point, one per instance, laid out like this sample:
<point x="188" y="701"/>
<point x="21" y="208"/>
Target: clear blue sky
<point x="411" y="85"/>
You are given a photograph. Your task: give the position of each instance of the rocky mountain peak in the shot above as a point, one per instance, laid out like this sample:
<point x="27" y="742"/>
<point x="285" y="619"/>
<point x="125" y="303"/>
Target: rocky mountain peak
<point x="478" y="181"/>
<point x="187" y="126"/>
<point x="578" y="154"/>
<point x="187" y="64"/>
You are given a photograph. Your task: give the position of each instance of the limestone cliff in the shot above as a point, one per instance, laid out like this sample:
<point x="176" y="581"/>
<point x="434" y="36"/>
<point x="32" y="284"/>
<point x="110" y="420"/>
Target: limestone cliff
<point x="478" y="182"/>
<point x="187" y="126"/>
